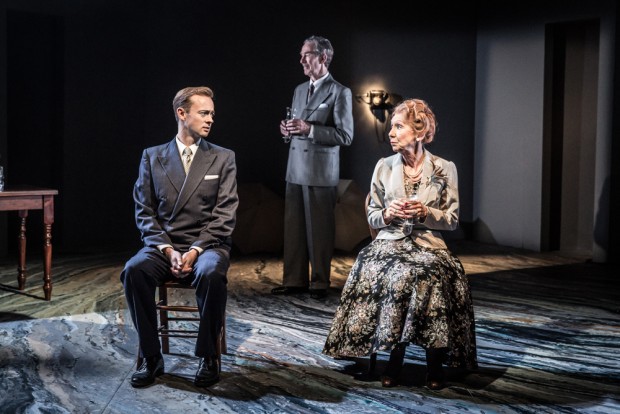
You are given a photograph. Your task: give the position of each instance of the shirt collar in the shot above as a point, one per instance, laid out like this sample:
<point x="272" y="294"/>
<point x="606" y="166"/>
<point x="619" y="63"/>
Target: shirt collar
<point x="317" y="83"/>
<point x="193" y="147"/>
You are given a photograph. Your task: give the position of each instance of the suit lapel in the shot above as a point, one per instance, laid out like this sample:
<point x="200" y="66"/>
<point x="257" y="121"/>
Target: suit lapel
<point x="305" y="102"/>
<point x="171" y="163"/>
<point x="320" y="94"/>
<point x="398" y="179"/>
<point x="427" y="172"/>
<point x="203" y="159"/>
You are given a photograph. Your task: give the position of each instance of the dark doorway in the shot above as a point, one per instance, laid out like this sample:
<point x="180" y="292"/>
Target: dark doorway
<point x="569" y="143"/>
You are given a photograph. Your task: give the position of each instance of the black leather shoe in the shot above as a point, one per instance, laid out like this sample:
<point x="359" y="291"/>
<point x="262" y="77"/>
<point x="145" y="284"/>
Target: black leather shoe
<point x="288" y="290"/>
<point x="145" y="375"/>
<point x="318" y="293"/>
<point x="208" y="372"/>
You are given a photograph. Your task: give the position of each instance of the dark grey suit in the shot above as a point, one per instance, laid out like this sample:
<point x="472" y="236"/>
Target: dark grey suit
<point x="312" y="176"/>
<point x="198" y="211"/>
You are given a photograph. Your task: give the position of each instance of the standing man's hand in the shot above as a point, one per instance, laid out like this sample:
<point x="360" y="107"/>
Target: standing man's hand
<point x="298" y="127"/>
<point x="283" y="130"/>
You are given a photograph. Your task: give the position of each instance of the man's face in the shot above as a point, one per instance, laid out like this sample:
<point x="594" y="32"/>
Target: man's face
<point x="199" y="119"/>
<point x="311" y="60"/>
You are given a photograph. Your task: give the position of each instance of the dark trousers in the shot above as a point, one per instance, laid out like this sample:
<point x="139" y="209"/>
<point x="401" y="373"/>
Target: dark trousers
<point x="309" y="234"/>
<point x="150" y="268"/>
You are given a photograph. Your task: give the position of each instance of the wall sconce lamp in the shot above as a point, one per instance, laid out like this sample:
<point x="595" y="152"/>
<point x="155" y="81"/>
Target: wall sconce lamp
<point x="379" y="102"/>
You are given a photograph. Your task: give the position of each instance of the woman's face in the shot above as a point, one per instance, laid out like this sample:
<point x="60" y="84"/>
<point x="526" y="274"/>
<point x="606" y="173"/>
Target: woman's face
<point x="401" y="134"/>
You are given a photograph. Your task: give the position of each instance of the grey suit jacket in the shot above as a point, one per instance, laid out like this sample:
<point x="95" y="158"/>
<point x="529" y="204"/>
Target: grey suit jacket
<point x="199" y="211"/>
<point x="438" y="191"/>
<point x="316" y="161"/>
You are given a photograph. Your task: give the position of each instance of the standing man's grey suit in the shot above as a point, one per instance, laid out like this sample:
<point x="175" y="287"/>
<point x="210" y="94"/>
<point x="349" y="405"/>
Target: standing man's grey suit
<point x="322" y="122"/>
<point x="186" y="223"/>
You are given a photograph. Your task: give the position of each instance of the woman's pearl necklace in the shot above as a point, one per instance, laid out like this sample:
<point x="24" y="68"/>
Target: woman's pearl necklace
<point x="417" y="171"/>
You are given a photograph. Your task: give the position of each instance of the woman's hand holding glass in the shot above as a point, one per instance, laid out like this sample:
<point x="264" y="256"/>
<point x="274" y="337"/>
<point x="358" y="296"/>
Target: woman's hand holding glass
<point x="395" y="209"/>
<point x="404" y="208"/>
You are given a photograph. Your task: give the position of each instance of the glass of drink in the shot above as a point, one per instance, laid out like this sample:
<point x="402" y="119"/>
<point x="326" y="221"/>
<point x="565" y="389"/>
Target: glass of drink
<point x="409" y="222"/>
<point x="290" y="114"/>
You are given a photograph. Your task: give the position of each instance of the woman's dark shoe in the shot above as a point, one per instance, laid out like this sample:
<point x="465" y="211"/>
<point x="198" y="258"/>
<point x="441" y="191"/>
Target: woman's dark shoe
<point x="388" y="382"/>
<point x="395" y="365"/>
<point x="435" y="384"/>
<point x="435" y="377"/>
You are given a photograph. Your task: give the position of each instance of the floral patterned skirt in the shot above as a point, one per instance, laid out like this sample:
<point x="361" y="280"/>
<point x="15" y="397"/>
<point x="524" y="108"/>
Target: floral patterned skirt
<point x="400" y="292"/>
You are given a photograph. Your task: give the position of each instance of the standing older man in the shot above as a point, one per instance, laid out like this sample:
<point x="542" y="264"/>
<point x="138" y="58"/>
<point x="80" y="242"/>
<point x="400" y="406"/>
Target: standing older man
<point x="322" y="122"/>
<point x="186" y="202"/>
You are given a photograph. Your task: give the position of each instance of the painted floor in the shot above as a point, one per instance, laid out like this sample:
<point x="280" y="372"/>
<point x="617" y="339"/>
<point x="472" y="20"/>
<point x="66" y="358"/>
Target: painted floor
<point x="548" y="335"/>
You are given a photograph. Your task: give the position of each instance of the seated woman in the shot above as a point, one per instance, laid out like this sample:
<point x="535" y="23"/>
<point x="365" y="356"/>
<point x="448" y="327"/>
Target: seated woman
<point x="406" y="286"/>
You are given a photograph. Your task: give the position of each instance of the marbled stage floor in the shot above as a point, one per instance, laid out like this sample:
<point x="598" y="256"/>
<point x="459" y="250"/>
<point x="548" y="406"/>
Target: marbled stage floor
<point x="548" y="332"/>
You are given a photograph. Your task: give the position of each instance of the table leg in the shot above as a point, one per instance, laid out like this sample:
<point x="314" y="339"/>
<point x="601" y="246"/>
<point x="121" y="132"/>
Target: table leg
<point x="48" y="219"/>
<point x="21" y="243"/>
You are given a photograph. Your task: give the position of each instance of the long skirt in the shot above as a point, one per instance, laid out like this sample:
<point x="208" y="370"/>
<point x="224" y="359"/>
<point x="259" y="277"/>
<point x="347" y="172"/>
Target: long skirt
<point x="399" y="292"/>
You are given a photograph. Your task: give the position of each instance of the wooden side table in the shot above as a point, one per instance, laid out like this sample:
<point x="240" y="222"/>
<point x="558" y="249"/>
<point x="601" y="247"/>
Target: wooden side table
<point x="22" y="199"/>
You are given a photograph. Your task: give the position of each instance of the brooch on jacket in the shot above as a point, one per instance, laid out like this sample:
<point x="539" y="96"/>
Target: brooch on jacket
<point x="438" y="178"/>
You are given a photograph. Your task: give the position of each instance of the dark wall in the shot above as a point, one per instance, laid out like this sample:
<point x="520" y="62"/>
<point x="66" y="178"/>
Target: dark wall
<point x="122" y="62"/>
<point x="614" y="180"/>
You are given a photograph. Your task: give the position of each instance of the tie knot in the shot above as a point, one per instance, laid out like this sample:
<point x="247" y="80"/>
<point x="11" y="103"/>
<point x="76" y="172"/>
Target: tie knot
<point x="187" y="151"/>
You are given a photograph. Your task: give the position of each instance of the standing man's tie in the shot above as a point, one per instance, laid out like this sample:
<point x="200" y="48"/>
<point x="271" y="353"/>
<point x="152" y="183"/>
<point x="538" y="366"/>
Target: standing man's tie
<point x="310" y="91"/>
<point x="187" y="159"/>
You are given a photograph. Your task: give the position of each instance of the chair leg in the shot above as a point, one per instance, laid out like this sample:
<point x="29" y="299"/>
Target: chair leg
<point x="222" y="341"/>
<point x="163" y="320"/>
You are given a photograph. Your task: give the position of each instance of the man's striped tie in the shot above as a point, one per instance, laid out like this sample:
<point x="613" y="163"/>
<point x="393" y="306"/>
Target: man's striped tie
<point x="187" y="159"/>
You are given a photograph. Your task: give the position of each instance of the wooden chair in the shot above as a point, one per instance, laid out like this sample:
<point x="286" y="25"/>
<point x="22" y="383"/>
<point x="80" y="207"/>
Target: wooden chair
<point x="190" y="314"/>
<point x="372" y="363"/>
<point x="373" y="232"/>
